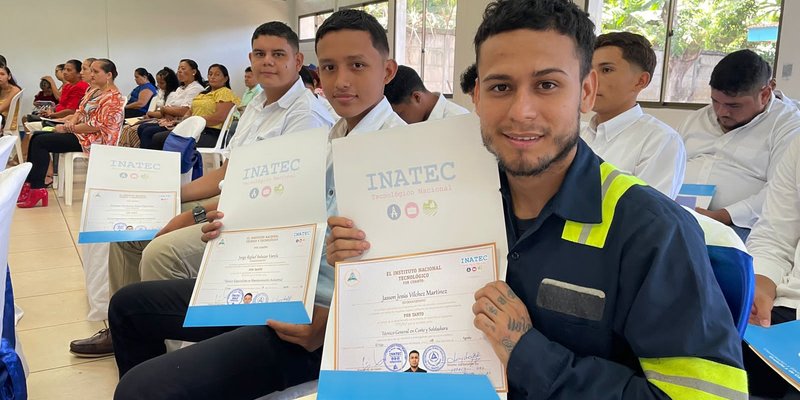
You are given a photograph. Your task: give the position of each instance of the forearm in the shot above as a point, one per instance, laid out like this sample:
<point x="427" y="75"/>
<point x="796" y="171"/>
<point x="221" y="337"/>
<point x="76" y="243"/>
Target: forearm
<point x="62" y="113"/>
<point x="204" y="187"/>
<point x="173" y="111"/>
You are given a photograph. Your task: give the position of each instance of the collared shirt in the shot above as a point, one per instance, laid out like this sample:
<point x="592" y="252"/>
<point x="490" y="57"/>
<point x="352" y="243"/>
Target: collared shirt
<point x="297" y="110"/>
<point x="445" y="108"/>
<point x="250" y="93"/>
<point x="774" y="242"/>
<point x="380" y="117"/>
<point x="183" y="95"/>
<point x="784" y="98"/>
<point x="640" y="145"/>
<point x="599" y="313"/>
<point x="740" y="162"/>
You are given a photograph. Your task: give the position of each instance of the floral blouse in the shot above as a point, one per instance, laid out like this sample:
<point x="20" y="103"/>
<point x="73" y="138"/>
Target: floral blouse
<point x="105" y="111"/>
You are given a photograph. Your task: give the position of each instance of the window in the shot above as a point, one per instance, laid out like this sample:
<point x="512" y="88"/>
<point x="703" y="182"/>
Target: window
<point x="310" y="23"/>
<point x="428" y="42"/>
<point x="702" y="33"/>
<point x="379" y="10"/>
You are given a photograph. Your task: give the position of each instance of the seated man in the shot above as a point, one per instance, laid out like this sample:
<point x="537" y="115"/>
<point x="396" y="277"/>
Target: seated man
<point x="253" y="88"/>
<point x="414" y="103"/>
<point x="775" y="247"/>
<point x="284" y="106"/>
<point x="248" y="362"/>
<point x="735" y="142"/>
<point x="596" y="304"/>
<point x="619" y="132"/>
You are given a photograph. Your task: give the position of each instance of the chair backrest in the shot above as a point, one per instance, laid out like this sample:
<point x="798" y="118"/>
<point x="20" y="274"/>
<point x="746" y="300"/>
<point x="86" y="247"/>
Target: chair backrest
<point x="14" y="113"/>
<point x="223" y="132"/>
<point x="122" y="123"/>
<point x="732" y="266"/>
<point x="191" y="127"/>
<point x="6" y="145"/>
<point x="11" y="181"/>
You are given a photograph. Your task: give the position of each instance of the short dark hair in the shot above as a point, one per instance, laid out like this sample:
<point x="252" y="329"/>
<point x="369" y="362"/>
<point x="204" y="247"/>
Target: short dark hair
<point x="248" y="69"/>
<point x="107" y="66"/>
<point x="636" y="49"/>
<point x="561" y="16"/>
<point x="3" y="60"/>
<point x="468" y="78"/>
<point x="355" y="20"/>
<point x="741" y="72"/>
<point x="76" y="64"/>
<point x="279" y="29"/>
<point x="59" y="67"/>
<point x="405" y="82"/>
<point x="306" y="76"/>
<point x="413" y="352"/>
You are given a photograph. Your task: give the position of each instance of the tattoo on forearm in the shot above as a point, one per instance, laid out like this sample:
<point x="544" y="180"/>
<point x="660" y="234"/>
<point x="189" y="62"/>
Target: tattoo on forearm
<point x="508" y="344"/>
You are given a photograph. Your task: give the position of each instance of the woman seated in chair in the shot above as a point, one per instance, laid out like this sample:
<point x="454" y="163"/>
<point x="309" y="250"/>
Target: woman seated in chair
<point x="167" y="83"/>
<point x="97" y="121"/>
<point x="213" y="104"/>
<point x="139" y="100"/>
<point x="176" y="106"/>
<point x="8" y="89"/>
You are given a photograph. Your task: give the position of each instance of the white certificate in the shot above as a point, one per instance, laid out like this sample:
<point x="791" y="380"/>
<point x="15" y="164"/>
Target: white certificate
<point x="264" y="263"/>
<point x="392" y="307"/>
<point x="130" y="194"/>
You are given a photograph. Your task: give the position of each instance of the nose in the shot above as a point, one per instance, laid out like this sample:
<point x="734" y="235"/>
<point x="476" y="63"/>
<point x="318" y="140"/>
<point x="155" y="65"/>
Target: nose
<point x="342" y="78"/>
<point x="524" y="107"/>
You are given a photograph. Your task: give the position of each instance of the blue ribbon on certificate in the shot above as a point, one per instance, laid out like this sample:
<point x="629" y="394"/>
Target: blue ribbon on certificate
<point x="400" y="385"/>
<point x="292" y="312"/>
<point x="116" y="236"/>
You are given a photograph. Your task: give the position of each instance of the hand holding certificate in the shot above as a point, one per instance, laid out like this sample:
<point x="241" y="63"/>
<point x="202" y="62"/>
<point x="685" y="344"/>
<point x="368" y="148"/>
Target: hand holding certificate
<point x="130" y="194"/>
<point x="264" y="262"/>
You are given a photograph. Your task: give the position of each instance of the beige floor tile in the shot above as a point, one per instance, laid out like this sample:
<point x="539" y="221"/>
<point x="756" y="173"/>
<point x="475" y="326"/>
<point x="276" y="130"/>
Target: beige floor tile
<point x="52" y="309"/>
<point x="37" y="260"/>
<point x="50" y="224"/>
<point x="39" y="241"/>
<point x="94" y="380"/>
<point x="47" y="348"/>
<point x="48" y="281"/>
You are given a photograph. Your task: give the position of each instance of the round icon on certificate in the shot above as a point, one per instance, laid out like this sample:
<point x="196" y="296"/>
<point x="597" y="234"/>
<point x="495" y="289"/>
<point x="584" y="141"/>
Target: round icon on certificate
<point x="394" y="358"/>
<point x="134" y="175"/>
<point x="141" y="227"/>
<point x="279" y="189"/>
<point x="266" y="191"/>
<point x="412" y="210"/>
<point x="236" y="296"/>
<point x="434" y="358"/>
<point x="393" y="212"/>
<point x="261" y="298"/>
<point x="253" y="193"/>
<point x="123" y="175"/>
<point x="120" y="226"/>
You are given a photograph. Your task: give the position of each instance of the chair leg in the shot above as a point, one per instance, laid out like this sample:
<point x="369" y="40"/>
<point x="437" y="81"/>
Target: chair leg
<point x="60" y="176"/>
<point x="19" y="149"/>
<point x="67" y="171"/>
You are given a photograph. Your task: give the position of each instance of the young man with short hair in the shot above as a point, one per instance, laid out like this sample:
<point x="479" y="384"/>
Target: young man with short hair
<point x="620" y="132"/>
<point x="736" y="141"/>
<point x="412" y="101"/>
<point x="248" y="362"/>
<point x="596" y="304"/>
<point x="284" y="106"/>
<point x="253" y="88"/>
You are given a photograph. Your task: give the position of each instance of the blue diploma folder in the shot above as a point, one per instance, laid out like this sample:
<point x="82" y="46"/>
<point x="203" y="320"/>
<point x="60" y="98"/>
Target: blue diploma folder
<point x="355" y="385"/>
<point x="692" y="195"/>
<point x="292" y="312"/>
<point x="116" y="236"/>
<point x="778" y="346"/>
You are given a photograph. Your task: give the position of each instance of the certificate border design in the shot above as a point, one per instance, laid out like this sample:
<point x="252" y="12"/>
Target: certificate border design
<point x="85" y="216"/>
<point x="206" y="256"/>
<point x="492" y="245"/>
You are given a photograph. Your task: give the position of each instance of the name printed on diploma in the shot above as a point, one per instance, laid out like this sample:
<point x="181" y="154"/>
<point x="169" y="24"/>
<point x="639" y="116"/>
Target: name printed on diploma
<point x="413" y="314"/>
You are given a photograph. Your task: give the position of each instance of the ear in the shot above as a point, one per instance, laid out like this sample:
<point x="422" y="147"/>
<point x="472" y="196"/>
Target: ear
<point x="250" y="57"/>
<point x="766" y="94"/>
<point x="476" y="96"/>
<point x="643" y="81"/>
<point x="588" y="91"/>
<point x="416" y="97"/>
<point x="390" y="67"/>
<point x="299" y="58"/>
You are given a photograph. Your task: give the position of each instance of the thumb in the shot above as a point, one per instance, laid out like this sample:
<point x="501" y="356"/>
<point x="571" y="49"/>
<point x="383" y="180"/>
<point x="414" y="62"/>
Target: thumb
<point x="764" y="311"/>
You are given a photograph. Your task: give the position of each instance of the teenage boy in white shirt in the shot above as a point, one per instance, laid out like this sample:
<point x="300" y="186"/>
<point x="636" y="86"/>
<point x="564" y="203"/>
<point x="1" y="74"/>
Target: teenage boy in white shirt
<point x="735" y="142"/>
<point x="620" y="132"/>
<point x="412" y="101"/>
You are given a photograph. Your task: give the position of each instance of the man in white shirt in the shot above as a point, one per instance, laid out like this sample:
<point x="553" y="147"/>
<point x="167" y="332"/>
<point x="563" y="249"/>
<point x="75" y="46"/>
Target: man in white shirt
<point x="253" y="88"/>
<point x="773" y="244"/>
<point x="249" y="362"/>
<point x="619" y="132"/>
<point x="177" y="250"/>
<point x="735" y="142"/>
<point x="414" y="103"/>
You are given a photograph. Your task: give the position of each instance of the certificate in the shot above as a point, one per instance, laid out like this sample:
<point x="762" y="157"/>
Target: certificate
<point x="694" y="195"/>
<point x="130" y="194"/>
<point x="264" y="263"/>
<point x="394" y="308"/>
<point x="437" y="189"/>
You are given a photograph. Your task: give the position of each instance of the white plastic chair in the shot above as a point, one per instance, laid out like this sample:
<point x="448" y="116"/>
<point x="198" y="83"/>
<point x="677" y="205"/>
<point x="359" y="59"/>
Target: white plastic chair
<point x="6" y="145"/>
<point x="14" y="120"/>
<point x="216" y="152"/>
<point x="191" y="127"/>
<point x="66" y="166"/>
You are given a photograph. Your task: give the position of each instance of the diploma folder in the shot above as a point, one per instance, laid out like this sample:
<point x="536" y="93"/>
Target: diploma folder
<point x="357" y="385"/>
<point x="779" y="347"/>
<point x="693" y="195"/>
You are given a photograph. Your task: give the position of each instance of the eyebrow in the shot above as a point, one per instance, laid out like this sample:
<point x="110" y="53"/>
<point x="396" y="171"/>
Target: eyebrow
<point x="348" y="58"/>
<point x="537" y="74"/>
<point x="606" y="64"/>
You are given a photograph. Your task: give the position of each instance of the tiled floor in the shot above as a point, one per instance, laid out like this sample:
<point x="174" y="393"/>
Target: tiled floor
<point x="49" y="286"/>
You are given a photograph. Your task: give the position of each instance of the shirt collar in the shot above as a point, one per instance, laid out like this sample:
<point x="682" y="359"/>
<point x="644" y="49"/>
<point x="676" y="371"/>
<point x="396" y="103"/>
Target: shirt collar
<point x="613" y="127"/>
<point x="373" y="121"/>
<point x="438" y="109"/>
<point x="292" y="94"/>
<point x="579" y="198"/>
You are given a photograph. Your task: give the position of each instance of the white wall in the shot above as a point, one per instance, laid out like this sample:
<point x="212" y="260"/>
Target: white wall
<point x="142" y="33"/>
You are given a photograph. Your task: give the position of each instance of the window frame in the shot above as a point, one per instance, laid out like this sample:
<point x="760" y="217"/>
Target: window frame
<point x="314" y="14"/>
<point x="667" y="46"/>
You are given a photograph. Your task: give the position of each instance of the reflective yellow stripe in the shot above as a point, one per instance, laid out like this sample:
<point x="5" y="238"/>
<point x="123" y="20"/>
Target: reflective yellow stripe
<point x="695" y="378"/>
<point x="614" y="184"/>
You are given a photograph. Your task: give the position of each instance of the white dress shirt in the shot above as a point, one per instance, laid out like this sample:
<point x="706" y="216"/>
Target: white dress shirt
<point x="774" y="240"/>
<point x="740" y="162"/>
<point x="183" y="95"/>
<point x="445" y="108"/>
<point x="641" y="145"/>
<point x="786" y="99"/>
